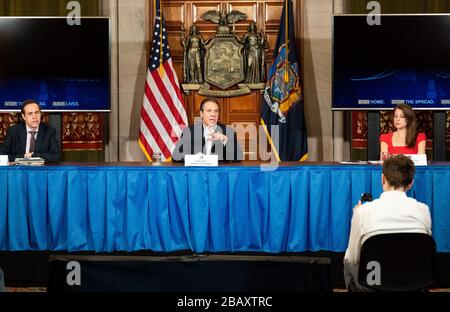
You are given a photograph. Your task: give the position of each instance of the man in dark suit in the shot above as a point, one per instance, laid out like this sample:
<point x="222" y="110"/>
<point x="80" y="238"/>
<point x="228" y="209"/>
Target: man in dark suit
<point x="31" y="138"/>
<point x="208" y="137"/>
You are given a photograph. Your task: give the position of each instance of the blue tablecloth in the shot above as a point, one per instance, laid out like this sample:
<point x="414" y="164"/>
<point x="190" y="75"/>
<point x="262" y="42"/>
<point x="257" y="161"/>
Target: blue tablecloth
<point x="105" y="209"/>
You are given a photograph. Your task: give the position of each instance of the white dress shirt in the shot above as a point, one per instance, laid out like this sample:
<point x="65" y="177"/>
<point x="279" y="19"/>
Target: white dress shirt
<point x="393" y="212"/>
<point x="207" y="133"/>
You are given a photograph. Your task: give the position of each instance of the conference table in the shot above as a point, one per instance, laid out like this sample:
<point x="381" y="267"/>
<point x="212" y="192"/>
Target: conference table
<point x="237" y="207"/>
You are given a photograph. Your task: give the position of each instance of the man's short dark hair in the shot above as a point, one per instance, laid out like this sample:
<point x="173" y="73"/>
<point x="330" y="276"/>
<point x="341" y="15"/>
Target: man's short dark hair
<point x="208" y="99"/>
<point x="27" y="102"/>
<point x="399" y="171"/>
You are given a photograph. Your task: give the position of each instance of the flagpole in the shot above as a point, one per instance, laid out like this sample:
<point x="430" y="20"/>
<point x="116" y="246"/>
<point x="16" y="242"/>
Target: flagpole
<point x="161" y="69"/>
<point x="286" y="41"/>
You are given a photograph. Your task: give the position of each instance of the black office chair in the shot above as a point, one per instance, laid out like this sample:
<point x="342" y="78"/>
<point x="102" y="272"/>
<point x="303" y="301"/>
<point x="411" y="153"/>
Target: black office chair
<point x="398" y="262"/>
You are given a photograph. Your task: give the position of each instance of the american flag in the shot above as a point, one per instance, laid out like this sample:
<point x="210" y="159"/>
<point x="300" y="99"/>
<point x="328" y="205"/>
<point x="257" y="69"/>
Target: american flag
<point x="163" y="116"/>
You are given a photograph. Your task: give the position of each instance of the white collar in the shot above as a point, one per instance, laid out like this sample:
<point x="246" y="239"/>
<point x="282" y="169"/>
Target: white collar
<point x="390" y="194"/>
<point x="29" y="129"/>
<point x="205" y="127"/>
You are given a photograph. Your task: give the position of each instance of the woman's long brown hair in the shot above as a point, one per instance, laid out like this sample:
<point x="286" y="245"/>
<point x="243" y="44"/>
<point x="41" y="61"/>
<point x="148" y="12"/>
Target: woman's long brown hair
<point x="411" y="123"/>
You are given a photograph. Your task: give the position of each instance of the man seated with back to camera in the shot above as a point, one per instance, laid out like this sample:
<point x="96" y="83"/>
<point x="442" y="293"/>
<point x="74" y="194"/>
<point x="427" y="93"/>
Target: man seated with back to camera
<point x="208" y="137"/>
<point x="31" y="138"/>
<point x="393" y="212"/>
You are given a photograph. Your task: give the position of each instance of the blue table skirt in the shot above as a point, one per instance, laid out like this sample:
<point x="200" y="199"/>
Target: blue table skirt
<point x="105" y="209"/>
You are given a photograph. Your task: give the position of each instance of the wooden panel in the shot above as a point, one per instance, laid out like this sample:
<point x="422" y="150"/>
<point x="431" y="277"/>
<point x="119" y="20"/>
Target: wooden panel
<point x="189" y="105"/>
<point x="196" y="106"/>
<point x="249" y="8"/>
<point x="247" y="136"/>
<point x="272" y="39"/>
<point x="174" y="13"/>
<point x="246" y="130"/>
<point x="244" y="117"/>
<point x="244" y="104"/>
<point x="175" y="45"/>
<point x="179" y="70"/>
<point x="273" y="13"/>
<point x="199" y="8"/>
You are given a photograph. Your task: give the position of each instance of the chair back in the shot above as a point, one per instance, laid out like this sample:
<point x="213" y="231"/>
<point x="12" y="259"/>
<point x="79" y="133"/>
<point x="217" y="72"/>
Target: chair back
<point x="398" y="262"/>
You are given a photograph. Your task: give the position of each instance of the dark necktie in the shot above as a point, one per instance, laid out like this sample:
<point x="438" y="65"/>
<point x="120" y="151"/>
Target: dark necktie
<point x="32" y="141"/>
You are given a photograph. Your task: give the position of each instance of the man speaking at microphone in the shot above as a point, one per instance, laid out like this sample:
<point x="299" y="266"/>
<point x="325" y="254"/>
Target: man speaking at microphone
<point x="208" y="137"/>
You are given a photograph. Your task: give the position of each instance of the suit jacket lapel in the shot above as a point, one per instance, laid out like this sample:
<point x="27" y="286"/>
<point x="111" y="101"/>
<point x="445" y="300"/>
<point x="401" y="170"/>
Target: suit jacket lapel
<point x="39" y="137"/>
<point x="198" y="138"/>
<point x="203" y="138"/>
<point x="23" y="137"/>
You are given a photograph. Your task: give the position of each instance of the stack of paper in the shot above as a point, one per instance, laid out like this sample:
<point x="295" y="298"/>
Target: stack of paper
<point x="32" y="161"/>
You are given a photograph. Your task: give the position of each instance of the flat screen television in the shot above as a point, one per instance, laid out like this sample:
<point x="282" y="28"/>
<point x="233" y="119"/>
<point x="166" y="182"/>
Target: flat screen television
<point x="64" y="67"/>
<point x="405" y="59"/>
